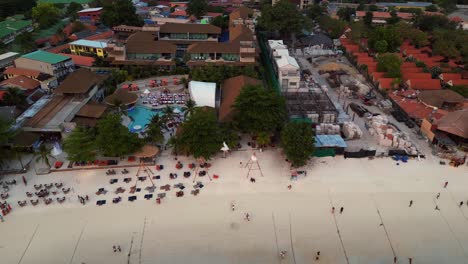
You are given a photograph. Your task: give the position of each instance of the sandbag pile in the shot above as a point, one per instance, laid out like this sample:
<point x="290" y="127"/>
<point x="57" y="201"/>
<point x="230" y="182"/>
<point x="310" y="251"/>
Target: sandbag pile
<point x="351" y="130"/>
<point x="327" y="129"/>
<point x="388" y="136"/>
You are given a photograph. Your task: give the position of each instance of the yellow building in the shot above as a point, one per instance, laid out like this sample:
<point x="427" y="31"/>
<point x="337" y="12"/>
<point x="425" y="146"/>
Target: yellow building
<point x="88" y="48"/>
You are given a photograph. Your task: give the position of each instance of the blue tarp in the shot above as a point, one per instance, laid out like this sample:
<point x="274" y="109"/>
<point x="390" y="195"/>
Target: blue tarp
<point x="329" y="141"/>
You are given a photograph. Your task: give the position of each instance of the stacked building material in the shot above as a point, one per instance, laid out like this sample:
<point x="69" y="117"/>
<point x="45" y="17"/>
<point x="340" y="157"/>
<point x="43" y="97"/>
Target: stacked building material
<point x="327" y="129"/>
<point x="351" y="130"/>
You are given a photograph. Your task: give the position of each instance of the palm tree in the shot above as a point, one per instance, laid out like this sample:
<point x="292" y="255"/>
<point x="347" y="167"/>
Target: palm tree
<point x="43" y="154"/>
<point x="168" y="113"/>
<point x="189" y="107"/>
<point x="119" y="107"/>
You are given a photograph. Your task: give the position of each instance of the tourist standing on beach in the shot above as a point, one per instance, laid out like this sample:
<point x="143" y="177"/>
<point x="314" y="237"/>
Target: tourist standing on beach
<point x="445" y="185"/>
<point x="341" y="210"/>
<point x="410" y="203"/>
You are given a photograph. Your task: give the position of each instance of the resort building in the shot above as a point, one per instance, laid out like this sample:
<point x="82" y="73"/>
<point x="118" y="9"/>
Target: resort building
<point x="286" y="67"/>
<point x="12" y="27"/>
<point x="240" y="50"/>
<point x="242" y="16"/>
<point x="7" y="59"/>
<point x="183" y="35"/>
<point x="230" y="89"/>
<point x="55" y="112"/>
<point x="142" y="48"/>
<point x="53" y="64"/>
<point x="88" y="48"/>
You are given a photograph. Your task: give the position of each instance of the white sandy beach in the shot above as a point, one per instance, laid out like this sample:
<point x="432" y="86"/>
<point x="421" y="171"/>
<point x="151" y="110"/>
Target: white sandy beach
<point x="203" y="229"/>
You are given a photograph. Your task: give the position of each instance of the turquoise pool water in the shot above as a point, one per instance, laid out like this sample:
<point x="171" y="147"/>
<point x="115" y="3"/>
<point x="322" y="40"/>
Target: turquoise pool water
<point x="141" y="116"/>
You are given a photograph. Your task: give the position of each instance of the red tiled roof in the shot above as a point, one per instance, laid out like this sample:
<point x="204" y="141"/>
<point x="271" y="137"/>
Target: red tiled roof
<point x="413" y="70"/>
<point x="231" y="88"/>
<point x="460" y="82"/>
<point x="59" y="49"/>
<point x="103" y="35"/>
<point x="371" y="69"/>
<point x="213" y="14"/>
<point x="424" y="84"/>
<point x="427" y="13"/>
<point x="384" y="15"/>
<point x="411" y="75"/>
<point x="80" y="60"/>
<point x="386" y="83"/>
<point x="450" y="76"/>
<point x="23" y="72"/>
<point x="378" y="75"/>
<point x="414" y="108"/>
<point x="21" y="82"/>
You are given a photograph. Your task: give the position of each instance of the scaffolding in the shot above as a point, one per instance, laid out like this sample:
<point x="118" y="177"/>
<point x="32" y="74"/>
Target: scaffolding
<point x="314" y="105"/>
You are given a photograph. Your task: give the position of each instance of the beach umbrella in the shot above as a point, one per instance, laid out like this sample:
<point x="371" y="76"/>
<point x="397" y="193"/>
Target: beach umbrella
<point x="176" y="110"/>
<point x="224" y="149"/>
<point x="146" y="91"/>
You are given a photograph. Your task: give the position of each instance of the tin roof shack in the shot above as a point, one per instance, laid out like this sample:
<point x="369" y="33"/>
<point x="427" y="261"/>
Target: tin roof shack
<point x="329" y="145"/>
<point x="312" y="107"/>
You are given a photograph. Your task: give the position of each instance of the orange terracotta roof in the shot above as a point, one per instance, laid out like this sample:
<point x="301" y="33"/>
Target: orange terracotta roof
<point x="378" y="75"/>
<point x="80" y="60"/>
<point x="419" y="75"/>
<point x="424" y="84"/>
<point x="414" y="108"/>
<point x="386" y="83"/>
<point x="231" y="88"/>
<point x="21" y="71"/>
<point x="103" y="35"/>
<point x="21" y="82"/>
<point x="450" y="76"/>
<point x="460" y="82"/>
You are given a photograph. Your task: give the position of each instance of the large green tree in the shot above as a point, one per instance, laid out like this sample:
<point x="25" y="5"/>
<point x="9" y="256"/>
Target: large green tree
<point x="72" y="10"/>
<point x="113" y="139"/>
<point x="197" y="7"/>
<point x="120" y="12"/>
<point x="220" y="73"/>
<point x="14" y="97"/>
<point x="346" y="13"/>
<point x="283" y="17"/>
<point x="11" y="7"/>
<point x="390" y="34"/>
<point x="154" y="130"/>
<point x="391" y="64"/>
<point x="200" y="135"/>
<point x="334" y="27"/>
<point x="45" y="14"/>
<point x="259" y="110"/>
<point x="297" y="140"/>
<point x="80" y="145"/>
<point x="25" y="42"/>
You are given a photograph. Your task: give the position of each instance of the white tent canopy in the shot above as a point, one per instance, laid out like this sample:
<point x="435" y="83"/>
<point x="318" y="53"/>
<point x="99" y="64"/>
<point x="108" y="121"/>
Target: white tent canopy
<point x="146" y="91"/>
<point x="203" y="93"/>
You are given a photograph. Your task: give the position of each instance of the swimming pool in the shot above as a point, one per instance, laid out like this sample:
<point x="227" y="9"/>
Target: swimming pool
<point x="141" y="116"/>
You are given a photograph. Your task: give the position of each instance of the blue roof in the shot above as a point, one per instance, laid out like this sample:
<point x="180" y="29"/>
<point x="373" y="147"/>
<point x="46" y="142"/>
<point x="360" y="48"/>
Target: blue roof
<point x="329" y="141"/>
<point x="89" y="43"/>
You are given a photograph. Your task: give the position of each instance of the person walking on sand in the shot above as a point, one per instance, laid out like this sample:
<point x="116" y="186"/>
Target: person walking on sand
<point x="333" y="210"/>
<point x="289" y="186"/>
<point x="445" y="185"/>
<point x="410" y="260"/>
<point x="247" y="216"/>
<point x="461" y="203"/>
<point x="341" y="210"/>
<point x="119" y="249"/>
<point x="438" y="195"/>
<point x="410" y="203"/>
<point x="437" y="208"/>
<point x="317" y="255"/>
<point x="115" y="248"/>
<point x="233" y="206"/>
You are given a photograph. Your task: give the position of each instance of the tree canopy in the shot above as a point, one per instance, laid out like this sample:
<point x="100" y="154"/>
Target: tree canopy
<point x="389" y="34"/>
<point x="200" y="135"/>
<point x="120" y="12"/>
<point x="197" y="7"/>
<point x="80" y="145"/>
<point x="346" y="13"/>
<point x="25" y="42"/>
<point x="283" y="17"/>
<point x="334" y="27"/>
<point x="14" y="97"/>
<point x="113" y="139"/>
<point x="11" y="7"/>
<point x="221" y="21"/>
<point x="219" y="73"/>
<point x="297" y="140"/>
<point x="389" y="63"/>
<point x="45" y="14"/>
<point x="259" y="110"/>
